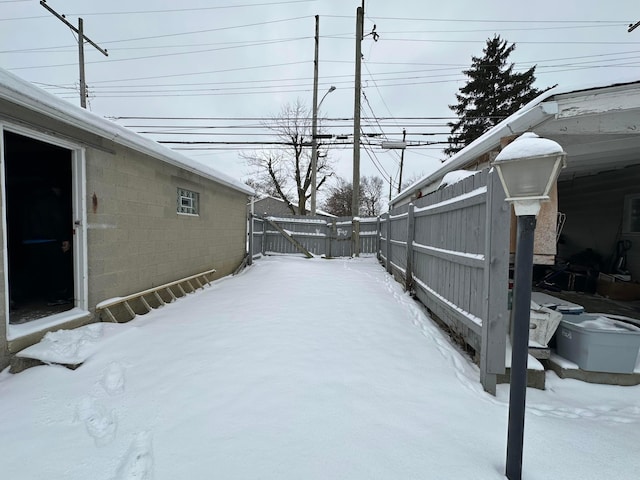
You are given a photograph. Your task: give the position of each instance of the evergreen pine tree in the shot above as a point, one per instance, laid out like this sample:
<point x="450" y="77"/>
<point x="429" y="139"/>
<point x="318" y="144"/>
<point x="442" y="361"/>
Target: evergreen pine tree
<point x="493" y="92"/>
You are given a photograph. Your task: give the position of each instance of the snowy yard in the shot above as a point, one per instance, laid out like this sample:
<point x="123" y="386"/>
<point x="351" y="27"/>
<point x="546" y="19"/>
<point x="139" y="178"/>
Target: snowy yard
<point x="295" y="369"/>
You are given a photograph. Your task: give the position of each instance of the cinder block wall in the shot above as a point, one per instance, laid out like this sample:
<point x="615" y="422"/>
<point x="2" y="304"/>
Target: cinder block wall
<point x="137" y="240"/>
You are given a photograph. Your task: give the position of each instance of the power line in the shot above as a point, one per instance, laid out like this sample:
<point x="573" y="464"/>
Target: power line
<point x="177" y="10"/>
<point x="237" y="44"/>
<point x="238" y="69"/>
<point x="461" y="20"/>
<point x="209" y="30"/>
<point x="525" y="42"/>
<point x="162" y="55"/>
<point x="560" y="27"/>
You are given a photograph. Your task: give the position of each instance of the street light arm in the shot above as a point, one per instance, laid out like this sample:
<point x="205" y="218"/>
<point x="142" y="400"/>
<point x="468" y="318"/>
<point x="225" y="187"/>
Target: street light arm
<point x="331" y="89"/>
<point x="314" y="146"/>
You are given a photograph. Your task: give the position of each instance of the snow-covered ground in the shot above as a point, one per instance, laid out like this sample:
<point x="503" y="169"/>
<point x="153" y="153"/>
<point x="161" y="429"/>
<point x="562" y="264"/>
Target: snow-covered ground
<point x="295" y="369"/>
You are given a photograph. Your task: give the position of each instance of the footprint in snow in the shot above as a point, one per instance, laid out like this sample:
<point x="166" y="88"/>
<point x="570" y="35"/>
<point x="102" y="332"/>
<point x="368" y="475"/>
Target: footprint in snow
<point x="100" y="423"/>
<point x="137" y="462"/>
<point x="113" y="379"/>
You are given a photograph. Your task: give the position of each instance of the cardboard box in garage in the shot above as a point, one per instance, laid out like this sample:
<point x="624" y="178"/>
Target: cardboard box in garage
<point x="611" y="287"/>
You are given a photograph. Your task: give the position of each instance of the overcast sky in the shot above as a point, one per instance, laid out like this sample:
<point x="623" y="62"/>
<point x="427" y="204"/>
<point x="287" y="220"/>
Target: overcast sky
<point x="238" y="62"/>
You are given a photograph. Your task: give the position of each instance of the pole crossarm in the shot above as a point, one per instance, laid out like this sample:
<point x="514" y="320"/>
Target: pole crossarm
<point x="74" y="28"/>
<point x="81" y="39"/>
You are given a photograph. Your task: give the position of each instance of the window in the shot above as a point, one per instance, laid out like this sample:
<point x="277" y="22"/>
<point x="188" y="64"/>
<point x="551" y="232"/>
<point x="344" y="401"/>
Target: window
<point x="188" y="202"/>
<point x="632" y="213"/>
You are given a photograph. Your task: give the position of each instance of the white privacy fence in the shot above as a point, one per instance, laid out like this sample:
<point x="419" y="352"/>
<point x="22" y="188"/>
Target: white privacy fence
<point x="451" y="248"/>
<point x="321" y="236"/>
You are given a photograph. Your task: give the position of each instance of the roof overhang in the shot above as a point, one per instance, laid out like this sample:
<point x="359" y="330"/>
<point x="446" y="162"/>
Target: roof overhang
<point x="598" y="127"/>
<point x="599" y="130"/>
<point x="22" y="93"/>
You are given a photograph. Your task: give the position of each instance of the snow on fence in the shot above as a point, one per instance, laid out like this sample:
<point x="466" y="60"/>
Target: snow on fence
<point x="451" y="248"/>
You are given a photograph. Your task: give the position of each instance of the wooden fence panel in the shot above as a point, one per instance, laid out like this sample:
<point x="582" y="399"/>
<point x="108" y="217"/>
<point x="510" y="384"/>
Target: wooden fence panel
<point x="331" y="237"/>
<point x="369" y="235"/>
<point x="459" y="268"/>
<point x="342" y="228"/>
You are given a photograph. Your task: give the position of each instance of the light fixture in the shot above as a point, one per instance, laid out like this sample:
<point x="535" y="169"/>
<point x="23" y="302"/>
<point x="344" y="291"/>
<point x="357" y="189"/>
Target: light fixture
<point x="528" y="168"/>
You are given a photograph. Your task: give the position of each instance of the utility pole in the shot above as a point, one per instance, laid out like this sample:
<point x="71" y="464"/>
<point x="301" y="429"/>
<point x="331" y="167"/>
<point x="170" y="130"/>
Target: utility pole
<point x="355" y="201"/>
<point x="314" y="122"/>
<point x="81" y="40"/>
<point x="404" y="137"/>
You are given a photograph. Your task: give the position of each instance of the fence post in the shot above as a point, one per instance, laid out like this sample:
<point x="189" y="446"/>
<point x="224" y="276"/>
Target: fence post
<point x="355" y="236"/>
<point x="250" y="259"/>
<point x="496" y="277"/>
<point x="264" y="236"/>
<point x="411" y="229"/>
<point x="388" y="244"/>
<point x="327" y="243"/>
<point x="378" y="234"/>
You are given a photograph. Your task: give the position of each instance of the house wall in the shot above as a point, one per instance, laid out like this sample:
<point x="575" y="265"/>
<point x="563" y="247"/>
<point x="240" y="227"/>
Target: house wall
<point x="136" y="238"/>
<point x="594" y="208"/>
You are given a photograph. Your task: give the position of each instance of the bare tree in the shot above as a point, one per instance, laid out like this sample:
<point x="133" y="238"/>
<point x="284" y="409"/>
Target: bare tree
<point x="340" y="194"/>
<point x="371" y="195"/>
<point x="285" y="172"/>
<point x="339" y="200"/>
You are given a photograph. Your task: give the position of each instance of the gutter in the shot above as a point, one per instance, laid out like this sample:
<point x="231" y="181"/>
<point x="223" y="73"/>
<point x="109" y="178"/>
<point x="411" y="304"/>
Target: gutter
<point x="532" y="114"/>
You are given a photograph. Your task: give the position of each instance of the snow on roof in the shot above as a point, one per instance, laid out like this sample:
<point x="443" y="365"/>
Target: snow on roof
<point x="318" y="211"/>
<point x="20" y="92"/>
<point x="530" y="115"/>
<point x="455" y="176"/>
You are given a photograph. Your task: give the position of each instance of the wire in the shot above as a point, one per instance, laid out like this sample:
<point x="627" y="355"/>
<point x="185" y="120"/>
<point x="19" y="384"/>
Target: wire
<point x="268" y="4"/>
<point x="238" y="69"/>
<point x="219" y="29"/>
<point x="387" y="178"/>
<point x="236" y="44"/>
<point x="459" y="20"/>
<point x="398" y="159"/>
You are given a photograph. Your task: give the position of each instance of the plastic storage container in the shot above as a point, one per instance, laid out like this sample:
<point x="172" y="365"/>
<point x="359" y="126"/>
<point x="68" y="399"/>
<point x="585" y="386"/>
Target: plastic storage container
<point x="598" y="344"/>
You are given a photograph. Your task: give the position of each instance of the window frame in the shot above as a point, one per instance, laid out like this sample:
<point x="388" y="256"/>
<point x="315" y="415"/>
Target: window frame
<point x="187" y="202"/>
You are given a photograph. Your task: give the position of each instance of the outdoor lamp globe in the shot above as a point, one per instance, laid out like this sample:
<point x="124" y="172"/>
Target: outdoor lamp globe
<point x="528" y="168"/>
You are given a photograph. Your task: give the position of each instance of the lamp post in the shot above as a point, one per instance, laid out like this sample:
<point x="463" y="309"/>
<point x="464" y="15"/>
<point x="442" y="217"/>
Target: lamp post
<point x="314" y="148"/>
<point x="528" y="168"/>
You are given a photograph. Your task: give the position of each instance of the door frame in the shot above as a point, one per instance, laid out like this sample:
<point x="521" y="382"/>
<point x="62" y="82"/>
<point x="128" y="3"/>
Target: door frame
<point x="79" y="218"/>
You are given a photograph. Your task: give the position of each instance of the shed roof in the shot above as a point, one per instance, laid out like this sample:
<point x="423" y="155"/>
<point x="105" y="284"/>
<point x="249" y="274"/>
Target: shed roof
<point x="20" y="92"/>
<point x="318" y="211"/>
